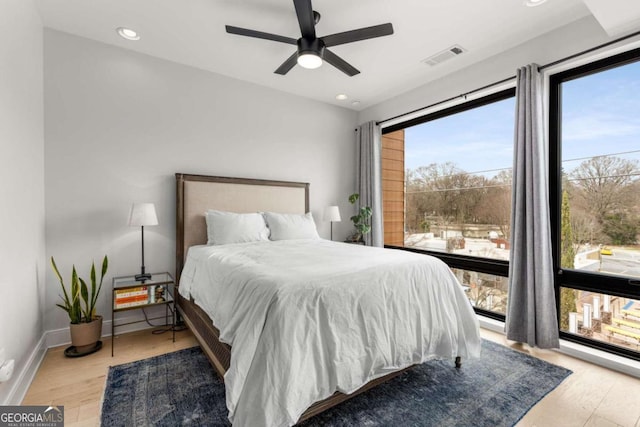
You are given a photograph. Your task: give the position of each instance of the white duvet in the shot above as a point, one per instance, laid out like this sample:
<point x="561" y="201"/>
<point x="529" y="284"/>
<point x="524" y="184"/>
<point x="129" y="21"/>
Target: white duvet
<point x="306" y="318"/>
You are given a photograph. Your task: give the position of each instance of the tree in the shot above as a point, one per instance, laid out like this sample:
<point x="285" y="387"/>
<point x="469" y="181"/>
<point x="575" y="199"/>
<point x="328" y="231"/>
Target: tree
<point x="444" y="185"/>
<point x="444" y="194"/>
<point x="584" y="227"/>
<point x="421" y="201"/>
<point x="604" y="183"/>
<point x="621" y="229"/>
<point x="567" y="260"/>
<point x="568" y="252"/>
<point x="496" y="204"/>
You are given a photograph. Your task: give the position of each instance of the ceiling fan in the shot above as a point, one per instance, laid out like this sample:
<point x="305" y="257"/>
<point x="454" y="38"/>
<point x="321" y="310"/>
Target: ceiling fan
<point x="311" y="49"/>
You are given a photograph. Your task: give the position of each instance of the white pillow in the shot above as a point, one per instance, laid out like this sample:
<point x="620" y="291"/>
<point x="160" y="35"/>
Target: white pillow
<point x="229" y="227"/>
<point x="291" y="226"/>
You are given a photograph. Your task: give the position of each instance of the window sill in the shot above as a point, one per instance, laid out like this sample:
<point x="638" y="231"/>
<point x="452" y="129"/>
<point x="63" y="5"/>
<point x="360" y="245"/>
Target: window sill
<point x="592" y="355"/>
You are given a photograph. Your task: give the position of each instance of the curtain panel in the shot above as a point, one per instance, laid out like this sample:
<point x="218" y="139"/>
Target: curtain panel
<point x="369" y="178"/>
<point x="531" y="309"/>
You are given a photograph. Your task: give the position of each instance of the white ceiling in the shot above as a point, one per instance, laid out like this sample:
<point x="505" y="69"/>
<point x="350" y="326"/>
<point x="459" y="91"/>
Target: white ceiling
<point x="192" y="32"/>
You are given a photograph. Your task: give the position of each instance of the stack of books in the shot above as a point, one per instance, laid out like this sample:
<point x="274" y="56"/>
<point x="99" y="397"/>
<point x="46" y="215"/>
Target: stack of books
<point x="131" y="297"/>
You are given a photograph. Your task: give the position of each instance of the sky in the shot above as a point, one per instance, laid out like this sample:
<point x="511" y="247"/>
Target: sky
<point x="601" y="115"/>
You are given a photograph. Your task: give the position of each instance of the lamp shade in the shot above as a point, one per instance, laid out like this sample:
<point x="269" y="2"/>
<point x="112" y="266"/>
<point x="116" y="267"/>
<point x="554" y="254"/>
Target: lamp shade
<point x="331" y="213"/>
<point x="143" y="214"/>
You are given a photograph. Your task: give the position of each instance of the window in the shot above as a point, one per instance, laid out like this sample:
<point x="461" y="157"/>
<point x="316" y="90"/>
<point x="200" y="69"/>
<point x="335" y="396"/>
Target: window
<point x="595" y="198"/>
<point x="447" y="192"/>
<point x="485" y="291"/>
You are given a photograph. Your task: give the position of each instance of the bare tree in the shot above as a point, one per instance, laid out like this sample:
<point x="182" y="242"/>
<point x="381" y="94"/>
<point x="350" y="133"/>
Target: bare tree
<point x="585" y="227"/>
<point x="604" y="184"/>
<point x="448" y="190"/>
<point x="443" y="194"/>
<point x="496" y="204"/>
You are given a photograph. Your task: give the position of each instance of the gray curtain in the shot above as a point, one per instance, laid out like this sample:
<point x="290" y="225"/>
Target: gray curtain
<point x="531" y="309"/>
<point x="369" y="178"/>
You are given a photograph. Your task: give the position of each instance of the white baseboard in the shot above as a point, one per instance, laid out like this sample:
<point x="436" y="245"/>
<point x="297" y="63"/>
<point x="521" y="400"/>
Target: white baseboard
<point x="135" y="320"/>
<point x="26" y="375"/>
<point x="56" y="338"/>
<point x="582" y="352"/>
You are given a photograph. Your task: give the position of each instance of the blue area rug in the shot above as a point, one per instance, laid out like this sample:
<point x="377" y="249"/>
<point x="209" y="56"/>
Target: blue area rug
<point x="181" y="388"/>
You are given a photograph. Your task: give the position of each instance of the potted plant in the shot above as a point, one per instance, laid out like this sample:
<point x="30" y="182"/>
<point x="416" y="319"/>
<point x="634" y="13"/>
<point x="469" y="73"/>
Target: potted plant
<point x="80" y="304"/>
<point x="360" y="220"/>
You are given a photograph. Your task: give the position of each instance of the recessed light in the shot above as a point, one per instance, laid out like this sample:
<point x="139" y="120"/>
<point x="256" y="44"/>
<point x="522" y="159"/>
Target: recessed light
<point x="532" y="3"/>
<point x="128" y="33"/>
<point x="355" y="103"/>
<point x="341" y="97"/>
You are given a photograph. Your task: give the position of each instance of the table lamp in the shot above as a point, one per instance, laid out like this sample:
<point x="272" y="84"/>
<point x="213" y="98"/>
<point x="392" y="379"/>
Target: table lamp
<point x="332" y="214"/>
<point x="143" y="214"/>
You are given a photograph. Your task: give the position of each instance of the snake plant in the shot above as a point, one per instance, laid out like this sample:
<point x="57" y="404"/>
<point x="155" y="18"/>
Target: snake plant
<point x="79" y="304"/>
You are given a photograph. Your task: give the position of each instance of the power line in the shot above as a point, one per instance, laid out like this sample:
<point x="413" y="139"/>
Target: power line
<point x="627" y="175"/>
<point x="509" y="168"/>
<point x="601" y="155"/>
<point x="470" y="173"/>
<point x="440" y="190"/>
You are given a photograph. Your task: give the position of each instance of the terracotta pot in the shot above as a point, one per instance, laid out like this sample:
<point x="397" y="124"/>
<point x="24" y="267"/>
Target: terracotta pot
<point x="84" y="336"/>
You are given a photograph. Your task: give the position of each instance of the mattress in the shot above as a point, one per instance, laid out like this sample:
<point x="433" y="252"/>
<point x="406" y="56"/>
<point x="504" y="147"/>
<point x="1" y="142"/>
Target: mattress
<point x="306" y="318"/>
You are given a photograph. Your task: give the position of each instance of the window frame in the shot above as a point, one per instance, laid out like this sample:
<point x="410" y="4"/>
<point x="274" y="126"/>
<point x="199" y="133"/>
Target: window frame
<point x="569" y="278"/>
<point x="464" y="262"/>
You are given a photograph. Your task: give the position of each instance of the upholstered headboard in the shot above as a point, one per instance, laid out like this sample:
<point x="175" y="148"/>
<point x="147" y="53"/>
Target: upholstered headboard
<point x="197" y="193"/>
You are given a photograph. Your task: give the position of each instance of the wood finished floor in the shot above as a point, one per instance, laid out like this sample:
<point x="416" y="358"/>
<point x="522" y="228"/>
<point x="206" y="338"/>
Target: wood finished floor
<point x="591" y="397"/>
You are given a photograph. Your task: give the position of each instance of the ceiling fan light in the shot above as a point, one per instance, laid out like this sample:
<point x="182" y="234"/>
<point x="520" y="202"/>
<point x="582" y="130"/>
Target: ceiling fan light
<point x="309" y="60"/>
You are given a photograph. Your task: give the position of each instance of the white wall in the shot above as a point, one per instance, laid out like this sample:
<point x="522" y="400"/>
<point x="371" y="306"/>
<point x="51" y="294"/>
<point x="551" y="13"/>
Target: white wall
<point x="119" y="125"/>
<point x="576" y="37"/>
<point x="22" y="255"/>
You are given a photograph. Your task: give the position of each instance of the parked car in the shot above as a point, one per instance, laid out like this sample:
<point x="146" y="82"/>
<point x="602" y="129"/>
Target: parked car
<point x="605" y="250"/>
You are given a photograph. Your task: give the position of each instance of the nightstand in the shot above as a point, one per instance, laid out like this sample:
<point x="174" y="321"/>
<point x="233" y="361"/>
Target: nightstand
<point x="129" y="294"/>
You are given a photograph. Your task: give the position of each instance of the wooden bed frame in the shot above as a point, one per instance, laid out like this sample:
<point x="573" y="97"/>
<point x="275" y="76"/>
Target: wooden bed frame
<point x="196" y="194"/>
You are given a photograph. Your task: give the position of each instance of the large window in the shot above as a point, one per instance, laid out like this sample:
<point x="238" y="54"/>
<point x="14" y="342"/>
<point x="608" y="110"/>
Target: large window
<point x="452" y="197"/>
<point x="447" y="192"/>
<point x="595" y="136"/>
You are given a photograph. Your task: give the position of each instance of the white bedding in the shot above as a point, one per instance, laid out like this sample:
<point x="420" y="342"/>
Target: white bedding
<point x="308" y="317"/>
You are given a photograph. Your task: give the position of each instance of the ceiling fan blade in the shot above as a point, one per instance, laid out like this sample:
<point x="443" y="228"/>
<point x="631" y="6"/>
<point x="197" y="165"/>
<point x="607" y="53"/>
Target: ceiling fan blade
<point x="305" y="18"/>
<point x="288" y="64"/>
<point x="259" y="34"/>
<point x="357" y="35"/>
<point x="340" y="63"/>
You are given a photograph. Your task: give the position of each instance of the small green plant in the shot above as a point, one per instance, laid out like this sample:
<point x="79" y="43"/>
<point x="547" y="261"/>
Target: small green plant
<point x="78" y="303"/>
<point x="360" y="220"/>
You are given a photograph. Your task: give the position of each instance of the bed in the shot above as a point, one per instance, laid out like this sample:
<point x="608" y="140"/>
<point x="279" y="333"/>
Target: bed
<point x="197" y="194"/>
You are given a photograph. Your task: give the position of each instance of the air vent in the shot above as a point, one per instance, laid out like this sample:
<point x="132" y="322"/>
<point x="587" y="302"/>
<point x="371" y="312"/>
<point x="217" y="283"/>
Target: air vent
<point x="440" y="57"/>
